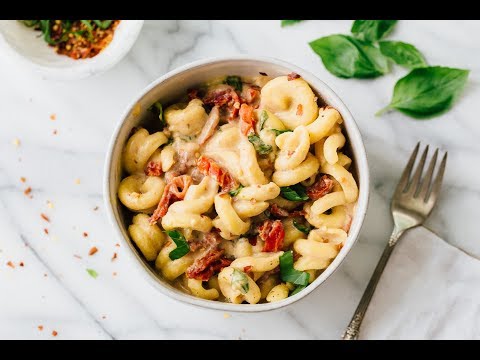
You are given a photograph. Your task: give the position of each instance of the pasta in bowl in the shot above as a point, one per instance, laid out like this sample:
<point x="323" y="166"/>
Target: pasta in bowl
<point x="246" y="185"/>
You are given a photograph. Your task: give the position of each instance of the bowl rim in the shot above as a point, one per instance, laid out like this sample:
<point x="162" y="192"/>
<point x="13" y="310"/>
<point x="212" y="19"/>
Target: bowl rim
<point x="95" y="66"/>
<point x="362" y="201"/>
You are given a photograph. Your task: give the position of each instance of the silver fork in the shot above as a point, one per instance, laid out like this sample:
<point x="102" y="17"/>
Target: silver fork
<point x="412" y="202"/>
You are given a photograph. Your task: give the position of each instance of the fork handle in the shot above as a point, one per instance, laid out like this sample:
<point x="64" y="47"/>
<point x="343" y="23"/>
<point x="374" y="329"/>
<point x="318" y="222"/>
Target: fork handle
<point x="353" y="328"/>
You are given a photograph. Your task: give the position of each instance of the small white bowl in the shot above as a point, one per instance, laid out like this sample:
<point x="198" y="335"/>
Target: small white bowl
<point x="173" y="85"/>
<point x="25" y="45"/>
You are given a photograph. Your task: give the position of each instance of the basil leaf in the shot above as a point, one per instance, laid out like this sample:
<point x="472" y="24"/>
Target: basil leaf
<point x="263" y="118"/>
<point x="235" y="82"/>
<point x="157" y="106"/>
<point x="92" y="273"/>
<point x="301" y="227"/>
<point x="298" y="289"/>
<point x="182" y="245"/>
<point x="259" y="145"/>
<point x="428" y="91"/>
<point x="294" y="193"/>
<point x="278" y="132"/>
<point x="240" y="281"/>
<point x="372" y="30"/>
<point x="235" y="192"/>
<point x="103" y="24"/>
<point x="289" y="274"/>
<point x="289" y="22"/>
<point x="347" y="57"/>
<point x="403" y="54"/>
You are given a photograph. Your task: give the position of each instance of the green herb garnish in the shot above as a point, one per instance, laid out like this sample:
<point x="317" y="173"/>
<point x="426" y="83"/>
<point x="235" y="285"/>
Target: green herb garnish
<point x="301" y="227"/>
<point x="289" y="274"/>
<point x="103" y="24"/>
<point x="428" y="91"/>
<point x="263" y="118"/>
<point x="240" y="281"/>
<point x="259" y="145"/>
<point x="289" y="22"/>
<point x="235" y="192"/>
<point x="182" y="245"/>
<point x="402" y="53"/>
<point x="294" y="193"/>
<point x="298" y="289"/>
<point x="235" y="82"/>
<point x="278" y="132"/>
<point x="92" y="273"/>
<point x="372" y="30"/>
<point x="347" y="57"/>
<point x="158" y="108"/>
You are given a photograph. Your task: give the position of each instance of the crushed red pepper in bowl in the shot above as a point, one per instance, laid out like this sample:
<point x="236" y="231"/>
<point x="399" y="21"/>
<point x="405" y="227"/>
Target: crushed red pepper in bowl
<point x="77" y="39"/>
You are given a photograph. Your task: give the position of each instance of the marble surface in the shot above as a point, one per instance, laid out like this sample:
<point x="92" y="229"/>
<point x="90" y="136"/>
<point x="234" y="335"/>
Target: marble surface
<point x="65" y="171"/>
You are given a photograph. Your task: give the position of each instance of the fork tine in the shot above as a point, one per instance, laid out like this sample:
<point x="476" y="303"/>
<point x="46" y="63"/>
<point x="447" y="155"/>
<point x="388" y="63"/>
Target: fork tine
<point x="414" y="184"/>
<point x="427" y="180"/>
<point x="402" y="184"/>
<point x="437" y="184"/>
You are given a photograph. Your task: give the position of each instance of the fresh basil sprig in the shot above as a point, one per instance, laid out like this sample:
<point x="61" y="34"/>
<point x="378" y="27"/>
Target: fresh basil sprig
<point x="240" y="281"/>
<point x="235" y="82"/>
<point x="235" y="192"/>
<point x="347" y="57"/>
<point x="278" y="132"/>
<point x="289" y="274"/>
<point x="427" y="91"/>
<point x="372" y="30"/>
<point x="259" y="145"/>
<point x="402" y="53"/>
<point x="182" y="245"/>
<point x="289" y="22"/>
<point x="294" y="193"/>
<point x="301" y="227"/>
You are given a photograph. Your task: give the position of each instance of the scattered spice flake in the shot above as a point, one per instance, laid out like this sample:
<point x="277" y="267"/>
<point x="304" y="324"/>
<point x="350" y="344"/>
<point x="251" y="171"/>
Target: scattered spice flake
<point x="49" y="204"/>
<point x="77" y="181"/>
<point x="23" y="179"/>
<point x="104" y="317"/>
<point x="85" y="234"/>
<point x="299" y="110"/>
<point x="226" y="315"/>
<point x="93" y="251"/>
<point x="27" y="191"/>
<point x="114" y="274"/>
<point x="40" y="327"/>
<point x="21" y="264"/>
<point x="45" y="275"/>
<point x="55" y="132"/>
<point x="16" y="142"/>
<point x="44" y="217"/>
<point x="54" y="333"/>
<point x="53" y="117"/>
<point x="95" y="208"/>
<point x="92" y="273"/>
<point x="45" y="231"/>
<point x="11" y="265"/>
<point x="292" y="76"/>
<point x="117" y="245"/>
<point x="77" y="256"/>
<point x="263" y="73"/>
<point x="114" y="257"/>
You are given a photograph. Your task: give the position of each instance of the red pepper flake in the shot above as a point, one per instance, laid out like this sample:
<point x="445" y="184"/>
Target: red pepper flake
<point x="45" y="231"/>
<point x="299" y="110"/>
<point x="40" y="327"/>
<point x="21" y="264"/>
<point x="247" y="268"/>
<point x="115" y="256"/>
<point x="27" y="191"/>
<point x="54" y="333"/>
<point x="11" y="264"/>
<point x="117" y="245"/>
<point x="292" y="76"/>
<point x="93" y="251"/>
<point x="77" y="256"/>
<point x="53" y="117"/>
<point x="95" y="208"/>
<point x="55" y="132"/>
<point x="44" y="217"/>
<point x="23" y="179"/>
<point x="85" y="234"/>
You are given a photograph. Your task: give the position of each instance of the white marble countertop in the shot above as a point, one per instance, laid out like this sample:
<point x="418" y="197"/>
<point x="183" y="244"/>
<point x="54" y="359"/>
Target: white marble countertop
<point x="65" y="171"/>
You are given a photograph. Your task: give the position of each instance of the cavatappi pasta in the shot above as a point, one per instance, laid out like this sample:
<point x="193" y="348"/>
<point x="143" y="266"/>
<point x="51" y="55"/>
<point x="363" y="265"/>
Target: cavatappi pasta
<point x="241" y="191"/>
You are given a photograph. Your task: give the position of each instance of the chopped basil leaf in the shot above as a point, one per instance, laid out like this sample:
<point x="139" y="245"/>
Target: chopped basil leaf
<point x="103" y="24"/>
<point x="92" y="273"/>
<point x="289" y="22"/>
<point x="235" y="192"/>
<point x="240" y="281"/>
<point x="297" y="289"/>
<point x="294" y="193"/>
<point x="259" y="145"/>
<point x="235" y="82"/>
<point x="303" y="228"/>
<point x="182" y="245"/>
<point x="289" y="274"/>
<point x="278" y="132"/>
<point x="157" y="107"/>
<point x="263" y="119"/>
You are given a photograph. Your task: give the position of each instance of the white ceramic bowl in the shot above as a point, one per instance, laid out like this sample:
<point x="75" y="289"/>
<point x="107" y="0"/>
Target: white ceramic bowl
<point x="23" y="44"/>
<point x="173" y="85"/>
